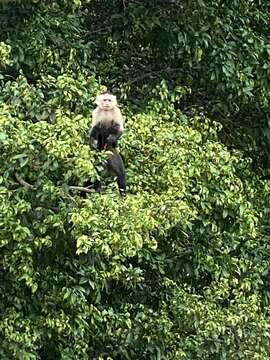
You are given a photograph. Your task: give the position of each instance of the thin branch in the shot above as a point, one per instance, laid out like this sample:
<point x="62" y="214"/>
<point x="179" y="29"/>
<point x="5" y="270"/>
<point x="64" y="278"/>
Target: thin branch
<point x="100" y="31"/>
<point x="23" y="182"/>
<point x="81" y="188"/>
<point x="149" y="74"/>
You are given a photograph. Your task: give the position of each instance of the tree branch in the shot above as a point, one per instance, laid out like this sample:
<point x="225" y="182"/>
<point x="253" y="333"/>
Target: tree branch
<point x="81" y="188"/>
<point x="23" y="182"/>
<point x="149" y="74"/>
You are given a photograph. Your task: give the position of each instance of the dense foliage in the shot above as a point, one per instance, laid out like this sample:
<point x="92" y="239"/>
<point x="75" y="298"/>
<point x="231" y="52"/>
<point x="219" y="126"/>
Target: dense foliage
<point x="180" y="268"/>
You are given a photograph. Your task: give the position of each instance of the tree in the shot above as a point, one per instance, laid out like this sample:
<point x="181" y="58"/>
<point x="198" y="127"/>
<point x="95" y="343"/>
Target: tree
<point x="179" y="269"/>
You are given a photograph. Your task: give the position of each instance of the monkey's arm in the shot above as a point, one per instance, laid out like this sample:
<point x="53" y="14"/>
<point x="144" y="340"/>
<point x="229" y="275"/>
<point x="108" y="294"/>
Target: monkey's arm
<point x="93" y="136"/>
<point x="116" y="129"/>
<point x="114" y="133"/>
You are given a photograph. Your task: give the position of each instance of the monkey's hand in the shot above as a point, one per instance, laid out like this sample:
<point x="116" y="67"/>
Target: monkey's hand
<point x="111" y="141"/>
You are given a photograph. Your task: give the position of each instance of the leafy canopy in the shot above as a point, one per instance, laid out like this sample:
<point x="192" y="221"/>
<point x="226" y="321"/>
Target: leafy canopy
<point x="179" y="269"/>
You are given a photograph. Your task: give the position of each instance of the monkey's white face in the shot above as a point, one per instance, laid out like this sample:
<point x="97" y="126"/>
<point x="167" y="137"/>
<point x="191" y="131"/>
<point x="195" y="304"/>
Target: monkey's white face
<point x="106" y="102"/>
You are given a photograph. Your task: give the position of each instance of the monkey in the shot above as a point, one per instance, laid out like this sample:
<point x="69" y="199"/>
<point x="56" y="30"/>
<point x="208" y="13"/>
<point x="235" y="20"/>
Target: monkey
<point x="107" y="127"/>
<point x="115" y="166"/>
<point x="106" y="120"/>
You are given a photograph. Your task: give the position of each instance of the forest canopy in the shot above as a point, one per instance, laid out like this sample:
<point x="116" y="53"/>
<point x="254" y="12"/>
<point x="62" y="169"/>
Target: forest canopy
<point x="180" y="267"/>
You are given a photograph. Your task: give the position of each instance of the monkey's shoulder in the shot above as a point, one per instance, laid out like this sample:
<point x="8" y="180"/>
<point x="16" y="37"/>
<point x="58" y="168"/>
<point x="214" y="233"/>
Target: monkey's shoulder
<point x="114" y="114"/>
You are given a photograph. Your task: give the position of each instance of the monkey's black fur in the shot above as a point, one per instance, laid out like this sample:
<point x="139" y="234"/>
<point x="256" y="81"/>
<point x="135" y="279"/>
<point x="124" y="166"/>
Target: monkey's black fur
<point x="116" y="165"/>
<point x="103" y="135"/>
<point x="105" y="138"/>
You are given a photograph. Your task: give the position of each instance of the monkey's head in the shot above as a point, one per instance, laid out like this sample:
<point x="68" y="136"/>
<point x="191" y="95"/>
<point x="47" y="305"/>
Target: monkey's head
<point x="106" y="101"/>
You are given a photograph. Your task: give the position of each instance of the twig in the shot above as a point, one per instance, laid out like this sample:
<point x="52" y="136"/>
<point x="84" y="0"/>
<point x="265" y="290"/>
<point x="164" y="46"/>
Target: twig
<point x="32" y="187"/>
<point x="81" y="188"/>
<point x="100" y="31"/>
<point x="23" y="182"/>
<point x="141" y="77"/>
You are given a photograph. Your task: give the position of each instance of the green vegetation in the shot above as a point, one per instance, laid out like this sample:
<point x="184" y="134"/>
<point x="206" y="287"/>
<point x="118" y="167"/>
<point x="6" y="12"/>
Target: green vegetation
<point x="180" y="268"/>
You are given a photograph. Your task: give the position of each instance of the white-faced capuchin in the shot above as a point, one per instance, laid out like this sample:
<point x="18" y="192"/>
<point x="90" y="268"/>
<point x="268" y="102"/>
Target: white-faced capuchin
<point x="107" y="127"/>
<point x="107" y="120"/>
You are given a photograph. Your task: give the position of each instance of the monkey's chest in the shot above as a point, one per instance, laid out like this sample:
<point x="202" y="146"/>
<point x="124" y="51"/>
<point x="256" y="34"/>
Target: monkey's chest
<point x="106" y="122"/>
<point x="106" y="117"/>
